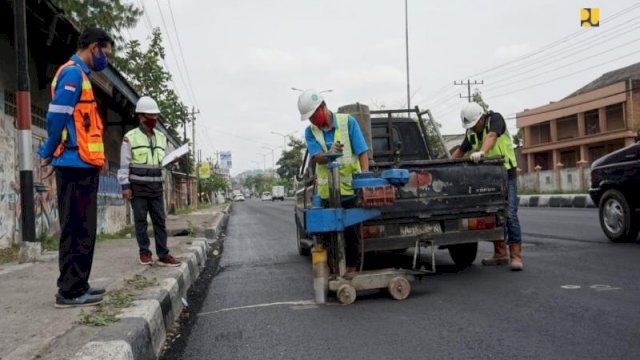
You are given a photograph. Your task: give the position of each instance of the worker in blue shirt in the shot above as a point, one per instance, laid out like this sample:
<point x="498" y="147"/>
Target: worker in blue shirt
<point x="328" y="133"/>
<point x="75" y="148"/>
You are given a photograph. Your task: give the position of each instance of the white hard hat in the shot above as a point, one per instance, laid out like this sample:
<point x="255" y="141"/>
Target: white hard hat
<point x="308" y="102"/>
<point x="470" y="114"/>
<point x="146" y="105"/>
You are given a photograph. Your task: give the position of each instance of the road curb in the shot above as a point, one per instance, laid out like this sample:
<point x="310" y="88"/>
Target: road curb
<point x="567" y="200"/>
<point x="142" y="329"/>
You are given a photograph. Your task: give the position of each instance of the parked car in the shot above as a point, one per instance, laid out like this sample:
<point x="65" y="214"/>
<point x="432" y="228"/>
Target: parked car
<point x="266" y="196"/>
<point x="238" y="197"/>
<point x="615" y="178"/>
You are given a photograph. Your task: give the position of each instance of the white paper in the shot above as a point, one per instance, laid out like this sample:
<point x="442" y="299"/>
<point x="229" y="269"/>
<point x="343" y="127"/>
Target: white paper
<point x="181" y="151"/>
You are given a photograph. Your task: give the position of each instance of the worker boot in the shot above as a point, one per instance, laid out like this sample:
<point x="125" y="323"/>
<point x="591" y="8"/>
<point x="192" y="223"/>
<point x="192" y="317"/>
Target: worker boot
<point x="500" y="256"/>
<point x="516" y="258"/>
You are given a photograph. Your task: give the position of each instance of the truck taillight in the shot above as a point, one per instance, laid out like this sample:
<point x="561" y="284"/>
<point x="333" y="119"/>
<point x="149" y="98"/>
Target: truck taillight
<point x="479" y="223"/>
<point x="372" y="231"/>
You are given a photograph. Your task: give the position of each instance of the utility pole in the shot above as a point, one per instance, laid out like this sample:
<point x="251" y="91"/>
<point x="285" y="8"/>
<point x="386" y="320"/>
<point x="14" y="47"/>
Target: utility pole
<point x="31" y="249"/>
<point x="187" y="170"/>
<point x="193" y="139"/>
<point x="468" y="83"/>
<point x="406" y="34"/>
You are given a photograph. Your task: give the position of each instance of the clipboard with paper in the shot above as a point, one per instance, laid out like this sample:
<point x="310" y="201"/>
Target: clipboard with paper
<point x="175" y="155"/>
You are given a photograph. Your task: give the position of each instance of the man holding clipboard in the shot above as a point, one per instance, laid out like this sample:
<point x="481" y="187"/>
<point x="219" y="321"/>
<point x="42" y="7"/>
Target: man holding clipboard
<point x="140" y="175"/>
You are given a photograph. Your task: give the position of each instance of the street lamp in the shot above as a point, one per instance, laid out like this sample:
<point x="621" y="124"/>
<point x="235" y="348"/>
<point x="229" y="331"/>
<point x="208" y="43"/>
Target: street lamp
<point x="264" y="161"/>
<point x="284" y="138"/>
<point x="273" y="159"/>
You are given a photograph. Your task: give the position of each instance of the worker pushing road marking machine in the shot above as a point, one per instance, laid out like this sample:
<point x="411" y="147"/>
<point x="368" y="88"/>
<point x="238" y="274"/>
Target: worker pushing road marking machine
<point x="329" y="267"/>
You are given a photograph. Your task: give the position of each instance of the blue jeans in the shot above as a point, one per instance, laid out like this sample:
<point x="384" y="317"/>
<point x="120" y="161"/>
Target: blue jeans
<point x="512" y="232"/>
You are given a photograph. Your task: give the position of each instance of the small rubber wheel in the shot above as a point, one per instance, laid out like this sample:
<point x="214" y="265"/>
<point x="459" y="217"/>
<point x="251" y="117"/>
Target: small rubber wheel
<point x="399" y="288"/>
<point x="346" y="294"/>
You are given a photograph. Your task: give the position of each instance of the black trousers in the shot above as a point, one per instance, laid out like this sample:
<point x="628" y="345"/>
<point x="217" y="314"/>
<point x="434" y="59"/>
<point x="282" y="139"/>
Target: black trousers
<point x="154" y="206"/>
<point x="78" y="209"/>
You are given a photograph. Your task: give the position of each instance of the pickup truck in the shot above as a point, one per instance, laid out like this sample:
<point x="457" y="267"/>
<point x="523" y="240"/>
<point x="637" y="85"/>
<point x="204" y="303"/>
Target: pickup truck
<point x="449" y="203"/>
<point x="615" y="180"/>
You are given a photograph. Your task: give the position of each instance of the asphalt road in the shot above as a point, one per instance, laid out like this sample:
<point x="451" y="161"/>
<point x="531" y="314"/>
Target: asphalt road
<point x="577" y="299"/>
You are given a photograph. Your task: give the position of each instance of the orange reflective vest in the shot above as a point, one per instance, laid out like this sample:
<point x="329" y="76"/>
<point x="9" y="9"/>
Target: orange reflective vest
<point x="88" y="124"/>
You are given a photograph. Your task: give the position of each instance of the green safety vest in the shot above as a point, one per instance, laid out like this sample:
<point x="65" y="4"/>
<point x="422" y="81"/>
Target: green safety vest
<point x="503" y="146"/>
<point x="349" y="163"/>
<point x="145" y="169"/>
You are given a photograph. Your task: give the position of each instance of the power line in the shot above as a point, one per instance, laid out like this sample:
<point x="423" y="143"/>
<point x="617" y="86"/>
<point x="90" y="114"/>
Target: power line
<point x="468" y="83"/>
<point x="564" y="76"/>
<point x="555" y="43"/>
<point x="591" y="56"/>
<point x="172" y="50"/>
<point x="184" y="62"/>
<point x="553" y="60"/>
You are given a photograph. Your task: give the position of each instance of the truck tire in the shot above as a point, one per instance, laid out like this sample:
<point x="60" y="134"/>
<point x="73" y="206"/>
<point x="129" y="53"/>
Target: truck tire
<point x="463" y="255"/>
<point x="616" y="217"/>
<point x="302" y="249"/>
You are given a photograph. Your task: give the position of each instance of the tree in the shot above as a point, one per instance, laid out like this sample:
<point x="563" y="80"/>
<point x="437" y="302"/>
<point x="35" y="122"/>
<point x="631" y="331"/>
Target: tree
<point x="518" y="138"/>
<point x="143" y="68"/>
<point x="113" y="16"/>
<point x="477" y="97"/>
<point x="290" y="161"/>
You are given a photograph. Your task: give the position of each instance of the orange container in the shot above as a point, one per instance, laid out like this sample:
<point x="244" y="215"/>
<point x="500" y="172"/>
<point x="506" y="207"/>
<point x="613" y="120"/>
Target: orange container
<point x="377" y="196"/>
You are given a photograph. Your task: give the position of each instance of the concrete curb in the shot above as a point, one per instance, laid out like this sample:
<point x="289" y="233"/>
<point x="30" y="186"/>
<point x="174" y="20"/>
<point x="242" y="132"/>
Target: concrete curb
<point x="142" y="329"/>
<point x="567" y="200"/>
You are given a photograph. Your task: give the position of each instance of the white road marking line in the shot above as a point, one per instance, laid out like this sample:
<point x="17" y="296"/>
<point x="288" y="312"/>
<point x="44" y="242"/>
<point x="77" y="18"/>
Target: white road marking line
<point x="292" y="303"/>
<point x="570" y="287"/>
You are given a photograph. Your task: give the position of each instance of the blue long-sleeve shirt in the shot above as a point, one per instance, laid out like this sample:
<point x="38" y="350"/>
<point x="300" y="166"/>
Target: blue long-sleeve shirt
<point x="60" y="115"/>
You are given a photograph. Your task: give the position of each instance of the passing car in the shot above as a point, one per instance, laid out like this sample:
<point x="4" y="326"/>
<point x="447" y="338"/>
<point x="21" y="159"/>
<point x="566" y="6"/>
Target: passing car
<point x="266" y="196"/>
<point x="615" y="180"/>
<point x="238" y="197"/>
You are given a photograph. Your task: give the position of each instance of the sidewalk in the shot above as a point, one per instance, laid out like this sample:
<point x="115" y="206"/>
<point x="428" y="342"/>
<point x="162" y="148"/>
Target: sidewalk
<point x="30" y="326"/>
<point x="561" y="200"/>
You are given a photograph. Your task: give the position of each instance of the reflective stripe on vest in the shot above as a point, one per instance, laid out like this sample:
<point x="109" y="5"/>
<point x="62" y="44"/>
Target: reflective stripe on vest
<point x="349" y="163"/>
<point x="146" y="162"/>
<point x="87" y="122"/>
<point x="503" y="146"/>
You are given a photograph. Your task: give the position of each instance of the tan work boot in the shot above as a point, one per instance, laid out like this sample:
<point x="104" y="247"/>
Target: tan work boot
<point x="500" y="256"/>
<point x="516" y="258"/>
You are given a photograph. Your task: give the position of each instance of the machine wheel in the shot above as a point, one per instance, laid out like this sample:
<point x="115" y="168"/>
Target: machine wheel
<point x="399" y="288"/>
<point x="463" y="254"/>
<point x="302" y="250"/>
<point x="346" y="294"/>
<point x="616" y="217"/>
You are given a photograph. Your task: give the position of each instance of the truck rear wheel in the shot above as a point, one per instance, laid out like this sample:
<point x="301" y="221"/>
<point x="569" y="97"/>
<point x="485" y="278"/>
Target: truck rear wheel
<point x="463" y="255"/>
<point x="303" y="250"/>
<point x="616" y="218"/>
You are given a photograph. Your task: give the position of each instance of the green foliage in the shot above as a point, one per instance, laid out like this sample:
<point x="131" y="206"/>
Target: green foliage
<point x="291" y="160"/>
<point x="518" y="138"/>
<point x="120" y="299"/>
<point x="101" y="317"/>
<point x="9" y="254"/>
<point x="191" y="229"/>
<point x="140" y="282"/>
<point x="260" y="182"/>
<point x="144" y="71"/>
<point x="123" y="233"/>
<point x="113" y="16"/>
<point x="477" y="97"/>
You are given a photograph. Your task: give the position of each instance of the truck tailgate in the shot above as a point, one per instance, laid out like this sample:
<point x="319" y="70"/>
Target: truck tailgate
<point x="450" y="188"/>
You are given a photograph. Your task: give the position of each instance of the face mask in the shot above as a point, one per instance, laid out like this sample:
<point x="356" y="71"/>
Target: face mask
<point x="150" y="122"/>
<point x="318" y="118"/>
<point x="99" y="62"/>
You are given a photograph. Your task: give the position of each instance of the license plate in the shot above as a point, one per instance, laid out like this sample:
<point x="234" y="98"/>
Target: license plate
<point x="418" y="229"/>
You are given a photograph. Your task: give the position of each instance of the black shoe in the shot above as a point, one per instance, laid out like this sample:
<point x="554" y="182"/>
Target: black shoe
<point x="96" y="291"/>
<point x="83" y="300"/>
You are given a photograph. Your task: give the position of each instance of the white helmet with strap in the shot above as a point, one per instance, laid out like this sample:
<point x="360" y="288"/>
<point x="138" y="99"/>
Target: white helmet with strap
<point x="308" y="103"/>
<point x="146" y="105"/>
<point x="470" y="114"/>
